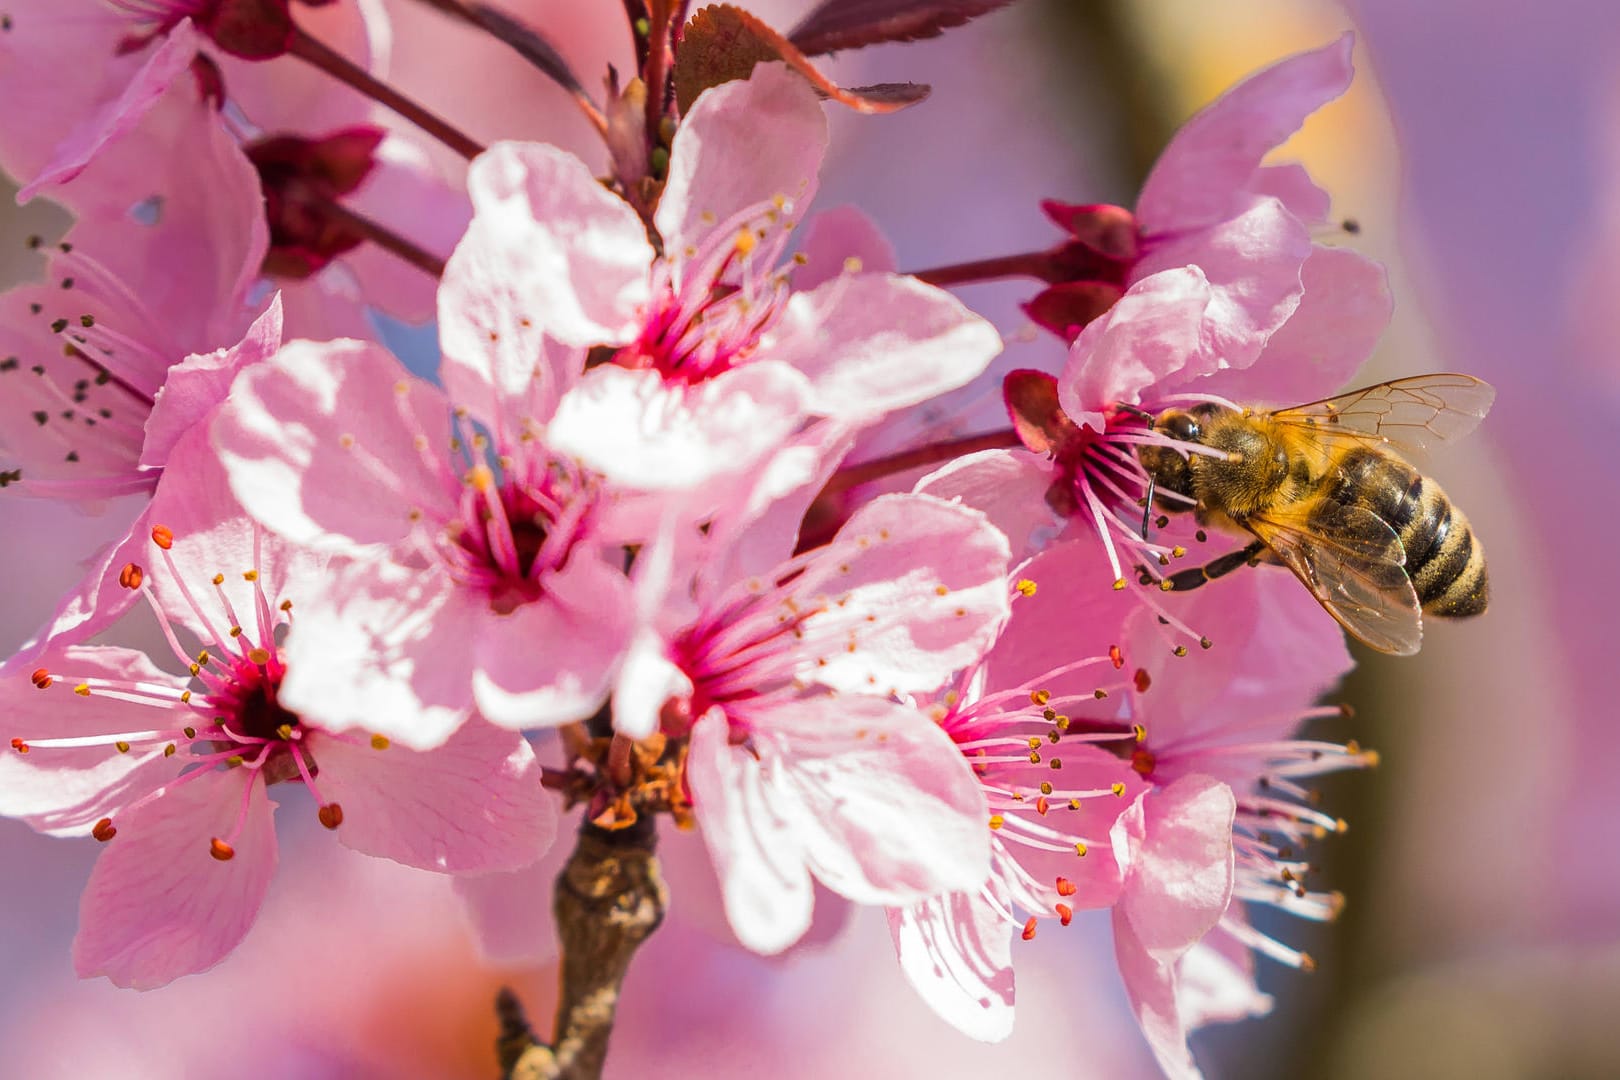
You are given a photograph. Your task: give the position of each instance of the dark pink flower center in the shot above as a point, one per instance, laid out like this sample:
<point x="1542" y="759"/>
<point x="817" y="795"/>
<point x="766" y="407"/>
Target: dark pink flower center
<point x="511" y="535"/>
<point x="714" y="302"/>
<point x="226" y="714"/>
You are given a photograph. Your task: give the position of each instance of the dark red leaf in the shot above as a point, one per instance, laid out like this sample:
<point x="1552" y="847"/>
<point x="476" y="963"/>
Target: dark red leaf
<point x="1032" y="403"/>
<point x="850" y="24"/>
<point x="722" y="43"/>
<point x="1108" y="230"/>
<point x="1066" y="309"/>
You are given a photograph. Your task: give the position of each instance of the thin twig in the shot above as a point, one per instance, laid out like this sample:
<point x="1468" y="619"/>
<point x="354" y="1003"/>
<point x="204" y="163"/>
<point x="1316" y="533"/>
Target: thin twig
<point x="383" y="237"/>
<point x="607" y="901"/>
<point x="346" y="71"/>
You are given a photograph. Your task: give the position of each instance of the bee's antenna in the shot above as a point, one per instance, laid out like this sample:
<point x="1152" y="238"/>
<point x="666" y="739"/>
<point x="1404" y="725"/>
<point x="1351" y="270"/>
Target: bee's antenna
<point x="1135" y="411"/>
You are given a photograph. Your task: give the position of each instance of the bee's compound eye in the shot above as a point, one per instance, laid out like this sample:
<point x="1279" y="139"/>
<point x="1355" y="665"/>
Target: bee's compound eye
<point x="1181" y="426"/>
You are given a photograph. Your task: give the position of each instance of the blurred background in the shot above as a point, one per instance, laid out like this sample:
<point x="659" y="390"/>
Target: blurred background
<point x="1480" y="152"/>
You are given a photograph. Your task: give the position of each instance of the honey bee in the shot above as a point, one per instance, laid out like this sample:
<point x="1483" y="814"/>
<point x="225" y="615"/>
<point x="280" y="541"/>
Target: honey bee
<point x="1321" y="489"/>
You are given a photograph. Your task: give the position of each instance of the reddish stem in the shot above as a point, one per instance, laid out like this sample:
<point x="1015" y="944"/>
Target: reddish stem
<point x="854" y="475"/>
<point x="385" y="238"/>
<point x="458" y="10"/>
<point x="636" y="11"/>
<point x="655" y="73"/>
<point x="347" y="72"/>
<point x="1035" y="264"/>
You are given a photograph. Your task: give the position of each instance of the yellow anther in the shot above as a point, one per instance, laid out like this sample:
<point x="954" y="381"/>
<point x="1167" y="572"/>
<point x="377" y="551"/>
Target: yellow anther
<point x="853" y="264"/>
<point x="250" y="575"/>
<point x="1079" y="848"/>
<point x="1119" y="584"/>
<point x="259" y="656"/>
<point x="168" y="751"/>
<point x="997" y="821"/>
<point x="234" y="760"/>
<point x="1046" y="787"/>
<point x="1025" y="587"/>
<point x="123" y="747"/>
<point x="346" y="441"/>
<point x="481" y="477"/>
<point x="83" y="689"/>
<point x="1040" y="697"/>
<point x="1139" y="731"/>
<point x="746" y="241"/>
<point x="1117" y="788"/>
<point x="379" y="742"/>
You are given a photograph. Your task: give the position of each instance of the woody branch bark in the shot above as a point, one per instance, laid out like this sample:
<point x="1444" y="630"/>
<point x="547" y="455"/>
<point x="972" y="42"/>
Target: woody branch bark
<point x="608" y="899"/>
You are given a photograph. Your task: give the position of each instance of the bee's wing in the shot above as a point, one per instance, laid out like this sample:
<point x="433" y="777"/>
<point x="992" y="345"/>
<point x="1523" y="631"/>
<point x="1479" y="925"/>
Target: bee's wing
<point x="1413" y="413"/>
<point x="1354" y="564"/>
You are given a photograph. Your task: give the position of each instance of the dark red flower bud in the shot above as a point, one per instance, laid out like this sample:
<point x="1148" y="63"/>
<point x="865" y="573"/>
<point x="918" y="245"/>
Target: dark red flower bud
<point x="303" y="180"/>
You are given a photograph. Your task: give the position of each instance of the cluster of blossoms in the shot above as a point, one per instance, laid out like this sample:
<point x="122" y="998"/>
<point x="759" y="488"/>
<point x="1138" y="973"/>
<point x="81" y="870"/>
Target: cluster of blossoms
<point x="611" y="513"/>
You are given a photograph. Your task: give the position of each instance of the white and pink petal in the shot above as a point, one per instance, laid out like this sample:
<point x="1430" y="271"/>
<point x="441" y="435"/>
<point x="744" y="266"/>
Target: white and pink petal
<point x="472" y="806"/>
<point x="159" y="904"/>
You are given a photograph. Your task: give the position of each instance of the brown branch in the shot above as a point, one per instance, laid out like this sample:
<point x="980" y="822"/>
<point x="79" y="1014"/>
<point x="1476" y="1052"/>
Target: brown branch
<point x="608" y="900"/>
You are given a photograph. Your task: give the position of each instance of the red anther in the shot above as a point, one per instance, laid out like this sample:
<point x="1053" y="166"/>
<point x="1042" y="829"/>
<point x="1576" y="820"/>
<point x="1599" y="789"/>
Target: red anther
<point x="104" y="830"/>
<point x="163" y="536"/>
<point x="42" y="678"/>
<point x="131" y="576"/>
<point x="19" y="746"/>
<point x="220" y="850"/>
<point x="331" y="815"/>
<point x="1116" y="656"/>
<point x="1029" y="928"/>
<point x="1065" y="887"/>
<point x="1065" y="913"/>
<point x="1143" y="680"/>
<point x="1041" y="805"/>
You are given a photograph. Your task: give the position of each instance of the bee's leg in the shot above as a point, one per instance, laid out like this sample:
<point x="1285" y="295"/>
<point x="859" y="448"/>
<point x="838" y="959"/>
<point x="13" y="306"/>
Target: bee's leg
<point x="1147" y="506"/>
<point x="1194" y="576"/>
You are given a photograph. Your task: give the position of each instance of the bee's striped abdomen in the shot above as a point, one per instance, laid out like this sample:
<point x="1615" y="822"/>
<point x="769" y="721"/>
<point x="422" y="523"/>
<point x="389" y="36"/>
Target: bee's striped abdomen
<point x="1445" y="563"/>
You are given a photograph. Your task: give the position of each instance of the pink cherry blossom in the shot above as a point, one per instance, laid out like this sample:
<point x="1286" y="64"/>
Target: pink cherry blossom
<point x="1227" y="297"/>
<point x="801" y="762"/>
<point x="1141" y="358"/>
<point x="1210" y="202"/>
<point x="468" y="587"/>
<point x="1217" y="816"/>
<point x="173" y="772"/>
<point x="142" y="320"/>
<point x="278" y="99"/>
<point x="86" y="71"/>
<point x="718" y="360"/>
<point x="1054" y="790"/>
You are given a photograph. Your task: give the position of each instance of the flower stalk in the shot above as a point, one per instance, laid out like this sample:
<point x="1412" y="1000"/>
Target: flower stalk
<point x="321" y="56"/>
<point x="608" y="899"/>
